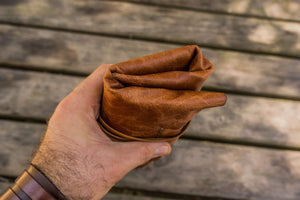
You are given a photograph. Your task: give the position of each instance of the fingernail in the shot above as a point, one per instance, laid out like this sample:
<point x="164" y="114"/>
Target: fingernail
<point x="161" y="151"/>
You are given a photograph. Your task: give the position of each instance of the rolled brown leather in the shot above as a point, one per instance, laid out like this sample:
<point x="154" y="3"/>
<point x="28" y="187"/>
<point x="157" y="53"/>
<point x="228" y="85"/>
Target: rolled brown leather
<point x="154" y="98"/>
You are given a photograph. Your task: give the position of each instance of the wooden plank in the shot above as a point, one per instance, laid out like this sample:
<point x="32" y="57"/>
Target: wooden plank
<point x="158" y="23"/>
<point x="223" y="170"/>
<point x="251" y="119"/>
<point x="23" y="93"/>
<point x="254" y="119"/>
<point x="17" y="141"/>
<point x="194" y="168"/>
<point x="115" y="196"/>
<point x="78" y="53"/>
<point x="71" y="52"/>
<point x="4" y="184"/>
<point x="278" y="9"/>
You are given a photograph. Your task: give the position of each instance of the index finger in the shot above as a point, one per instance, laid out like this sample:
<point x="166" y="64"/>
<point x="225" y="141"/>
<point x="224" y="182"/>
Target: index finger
<point x="90" y="89"/>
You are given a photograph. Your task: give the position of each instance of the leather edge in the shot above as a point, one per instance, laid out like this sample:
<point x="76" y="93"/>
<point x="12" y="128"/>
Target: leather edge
<point x="118" y="136"/>
<point x="44" y="181"/>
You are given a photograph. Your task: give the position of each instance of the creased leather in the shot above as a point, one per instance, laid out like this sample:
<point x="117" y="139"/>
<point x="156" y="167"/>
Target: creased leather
<point x="153" y="98"/>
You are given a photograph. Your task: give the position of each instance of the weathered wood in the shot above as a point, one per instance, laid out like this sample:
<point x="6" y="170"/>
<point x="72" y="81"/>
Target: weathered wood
<point x="114" y="196"/>
<point x="195" y="168"/>
<point x="158" y="23"/>
<point x="17" y="141"/>
<point x="33" y="94"/>
<point x="223" y="170"/>
<point x="78" y="53"/>
<point x="279" y="9"/>
<point x="4" y="184"/>
<point x="251" y="119"/>
<point x="71" y="52"/>
<point x="254" y="119"/>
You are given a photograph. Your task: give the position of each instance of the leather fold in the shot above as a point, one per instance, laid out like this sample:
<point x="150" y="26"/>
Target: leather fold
<point x="154" y="98"/>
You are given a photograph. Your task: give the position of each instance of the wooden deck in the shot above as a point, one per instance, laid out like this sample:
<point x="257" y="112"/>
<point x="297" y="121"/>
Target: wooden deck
<point x="248" y="149"/>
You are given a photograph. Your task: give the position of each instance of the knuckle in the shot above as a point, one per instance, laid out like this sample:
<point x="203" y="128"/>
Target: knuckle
<point x="64" y="105"/>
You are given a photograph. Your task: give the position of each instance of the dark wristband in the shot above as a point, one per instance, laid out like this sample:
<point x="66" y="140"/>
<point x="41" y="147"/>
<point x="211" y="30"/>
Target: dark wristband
<point x="33" y="185"/>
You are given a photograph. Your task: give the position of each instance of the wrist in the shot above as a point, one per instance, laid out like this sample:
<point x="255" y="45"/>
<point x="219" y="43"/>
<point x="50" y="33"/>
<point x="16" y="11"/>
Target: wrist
<point x="68" y="167"/>
<point x="55" y="164"/>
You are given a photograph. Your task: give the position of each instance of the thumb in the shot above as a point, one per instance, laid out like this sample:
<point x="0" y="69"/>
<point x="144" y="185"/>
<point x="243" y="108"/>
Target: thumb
<point x="134" y="154"/>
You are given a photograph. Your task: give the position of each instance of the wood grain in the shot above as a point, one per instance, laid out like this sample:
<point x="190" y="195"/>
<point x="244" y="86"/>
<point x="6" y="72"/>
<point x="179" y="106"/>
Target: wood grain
<point x="78" y="53"/>
<point x="158" y="23"/>
<point x="278" y="9"/>
<point x="17" y="142"/>
<point x="112" y="196"/>
<point x="194" y="168"/>
<point x="252" y="119"/>
<point x="4" y="184"/>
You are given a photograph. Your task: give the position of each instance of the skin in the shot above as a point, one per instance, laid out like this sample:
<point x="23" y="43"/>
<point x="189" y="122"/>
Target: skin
<point x="77" y="156"/>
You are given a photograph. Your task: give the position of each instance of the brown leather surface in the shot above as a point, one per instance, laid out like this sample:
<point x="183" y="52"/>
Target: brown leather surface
<point x="153" y="98"/>
<point x="118" y="136"/>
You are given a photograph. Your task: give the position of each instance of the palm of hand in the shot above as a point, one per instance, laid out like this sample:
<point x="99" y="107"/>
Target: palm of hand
<point x="77" y="156"/>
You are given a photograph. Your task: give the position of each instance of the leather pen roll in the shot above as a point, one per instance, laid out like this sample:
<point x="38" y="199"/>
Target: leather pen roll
<point x="154" y="98"/>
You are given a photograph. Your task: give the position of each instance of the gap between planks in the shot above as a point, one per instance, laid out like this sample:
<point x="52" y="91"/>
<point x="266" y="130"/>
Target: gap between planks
<point x="24" y="67"/>
<point x="219" y="12"/>
<point x="242" y="118"/>
<point x="207" y="30"/>
<point x="235" y="142"/>
<point x="125" y="193"/>
<point x="147" y="39"/>
<point x="213" y="169"/>
<point x="78" y="54"/>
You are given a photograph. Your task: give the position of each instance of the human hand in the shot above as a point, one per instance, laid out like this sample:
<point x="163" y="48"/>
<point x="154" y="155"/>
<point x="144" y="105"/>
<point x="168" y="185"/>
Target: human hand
<point x="77" y="156"/>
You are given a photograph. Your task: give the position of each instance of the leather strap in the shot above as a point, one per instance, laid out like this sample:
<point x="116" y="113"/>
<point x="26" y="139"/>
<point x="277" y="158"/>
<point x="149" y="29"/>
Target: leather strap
<point x="33" y="185"/>
<point x="20" y="193"/>
<point x="31" y="188"/>
<point x="118" y="136"/>
<point x="42" y="179"/>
